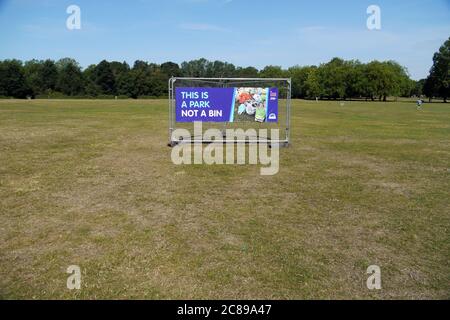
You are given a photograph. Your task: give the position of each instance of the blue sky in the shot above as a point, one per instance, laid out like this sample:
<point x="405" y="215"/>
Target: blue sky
<point x="244" y="32"/>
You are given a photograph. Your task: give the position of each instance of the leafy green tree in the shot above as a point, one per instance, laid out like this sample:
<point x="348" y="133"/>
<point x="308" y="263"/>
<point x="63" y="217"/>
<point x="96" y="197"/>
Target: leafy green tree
<point x="157" y="83"/>
<point x="418" y="88"/>
<point x="438" y="82"/>
<point x="12" y="80"/>
<point x="354" y="79"/>
<point x="141" y="83"/>
<point x="140" y="65"/>
<point x="312" y="85"/>
<point x="171" y="69"/>
<point x="64" y="62"/>
<point x="332" y="76"/>
<point x="125" y="84"/>
<point x="248" y="72"/>
<point x="299" y="75"/>
<point x="401" y="84"/>
<point x="337" y="79"/>
<point x="272" y="72"/>
<point x="195" y="68"/>
<point x="90" y="86"/>
<point x="430" y="87"/>
<point x="381" y="80"/>
<point x="138" y="80"/>
<point x="219" y="69"/>
<point x="145" y="79"/>
<point x="104" y="78"/>
<point x="48" y="75"/>
<point x="32" y="72"/>
<point x="41" y="76"/>
<point x="119" y="68"/>
<point x="70" y="77"/>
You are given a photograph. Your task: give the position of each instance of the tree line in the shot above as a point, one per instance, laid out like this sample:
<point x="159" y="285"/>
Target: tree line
<point x="336" y="79"/>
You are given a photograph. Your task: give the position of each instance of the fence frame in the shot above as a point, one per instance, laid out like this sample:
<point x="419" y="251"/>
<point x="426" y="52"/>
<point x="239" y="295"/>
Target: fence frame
<point x="227" y="82"/>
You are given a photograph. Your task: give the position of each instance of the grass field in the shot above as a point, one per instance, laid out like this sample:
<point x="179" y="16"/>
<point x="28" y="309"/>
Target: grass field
<point x="91" y="183"/>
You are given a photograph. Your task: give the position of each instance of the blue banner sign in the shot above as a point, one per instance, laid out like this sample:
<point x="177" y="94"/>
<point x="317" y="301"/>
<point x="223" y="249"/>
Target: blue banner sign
<point x="226" y="104"/>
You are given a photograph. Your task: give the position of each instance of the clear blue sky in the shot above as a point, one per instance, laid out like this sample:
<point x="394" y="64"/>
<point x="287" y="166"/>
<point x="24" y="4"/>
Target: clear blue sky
<point x="244" y="32"/>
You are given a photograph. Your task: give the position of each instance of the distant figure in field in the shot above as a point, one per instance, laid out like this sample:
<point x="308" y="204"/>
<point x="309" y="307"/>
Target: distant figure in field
<point x="419" y="104"/>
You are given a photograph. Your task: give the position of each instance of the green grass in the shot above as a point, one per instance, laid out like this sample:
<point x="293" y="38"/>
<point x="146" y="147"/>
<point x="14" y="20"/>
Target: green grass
<point x="91" y="183"/>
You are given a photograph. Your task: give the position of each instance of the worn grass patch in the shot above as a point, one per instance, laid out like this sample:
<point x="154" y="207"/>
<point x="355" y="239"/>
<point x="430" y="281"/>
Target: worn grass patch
<point x="91" y="183"/>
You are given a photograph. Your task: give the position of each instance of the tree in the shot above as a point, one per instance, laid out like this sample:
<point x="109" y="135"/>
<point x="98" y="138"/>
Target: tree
<point x="145" y="79"/>
<point x="354" y="79"/>
<point x="41" y="75"/>
<point x="418" y="88"/>
<point x="64" y="62"/>
<point x="124" y="84"/>
<point x="90" y="86"/>
<point x="429" y="87"/>
<point x="157" y="83"/>
<point x="104" y="78"/>
<point x="48" y="75"/>
<point x="382" y="79"/>
<point x="12" y="80"/>
<point x="137" y="82"/>
<point x="272" y="72"/>
<point x="32" y="70"/>
<point x="438" y="82"/>
<point x="119" y="68"/>
<point x="336" y="79"/>
<point x="195" y="68"/>
<point x="332" y="76"/>
<point x="248" y="72"/>
<point x="219" y="69"/>
<point x="401" y="84"/>
<point x="171" y="69"/>
<point x="70" y="78"/>
<point x="299" y="76"/>
<point x="312" y="85"/>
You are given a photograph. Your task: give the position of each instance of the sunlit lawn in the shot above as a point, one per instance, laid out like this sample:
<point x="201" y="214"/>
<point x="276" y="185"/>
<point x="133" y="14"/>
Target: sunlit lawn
<point x="91" y="183"/>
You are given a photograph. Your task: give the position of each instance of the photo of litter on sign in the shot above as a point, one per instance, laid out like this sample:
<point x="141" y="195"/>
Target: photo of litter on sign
<point x="256" y="104"/>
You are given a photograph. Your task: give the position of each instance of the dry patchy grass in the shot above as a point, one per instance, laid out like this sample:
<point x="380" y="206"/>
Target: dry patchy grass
<point x="91" y="183"/>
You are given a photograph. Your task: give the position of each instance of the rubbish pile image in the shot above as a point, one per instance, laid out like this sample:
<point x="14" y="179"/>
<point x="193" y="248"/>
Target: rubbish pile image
<point x="250" y="104"/>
